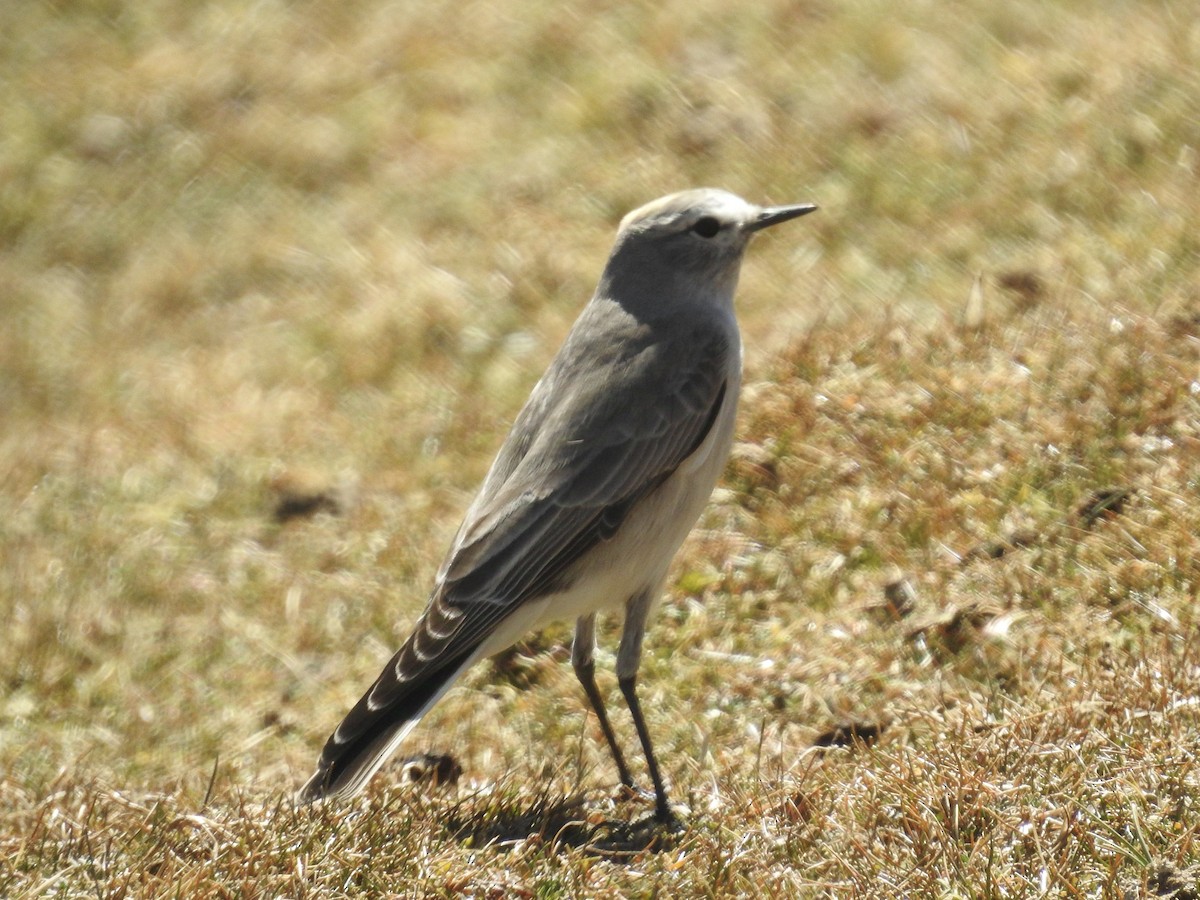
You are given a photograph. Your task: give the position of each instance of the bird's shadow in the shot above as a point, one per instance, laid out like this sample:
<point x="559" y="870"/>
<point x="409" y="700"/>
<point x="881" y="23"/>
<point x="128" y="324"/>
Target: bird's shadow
<point x="561" y="824"/>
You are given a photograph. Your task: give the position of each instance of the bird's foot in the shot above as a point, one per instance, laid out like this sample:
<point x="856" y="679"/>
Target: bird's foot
<point x="665" y="816"/>
<point x="649" y="833"/>
<point x="668" y="819"/>
<point x="627" y="792"/>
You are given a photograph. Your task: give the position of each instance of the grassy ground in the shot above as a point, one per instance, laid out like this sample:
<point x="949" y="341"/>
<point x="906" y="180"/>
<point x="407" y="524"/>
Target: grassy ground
<point x="935" y="636"/>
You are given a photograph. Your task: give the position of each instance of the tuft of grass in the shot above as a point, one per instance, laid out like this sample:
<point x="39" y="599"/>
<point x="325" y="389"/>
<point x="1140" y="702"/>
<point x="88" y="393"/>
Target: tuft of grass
<point x="276" y="278"/>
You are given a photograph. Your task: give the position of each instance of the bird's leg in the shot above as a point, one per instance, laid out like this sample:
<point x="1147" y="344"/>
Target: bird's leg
<point x="584" y="661"/>
<point x="628" y="658"/>
<point x="662" y="809"/>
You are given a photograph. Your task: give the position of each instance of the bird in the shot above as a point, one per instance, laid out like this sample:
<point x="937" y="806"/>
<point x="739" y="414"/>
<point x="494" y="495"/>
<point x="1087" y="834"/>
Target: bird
<point x="606" y="469"/>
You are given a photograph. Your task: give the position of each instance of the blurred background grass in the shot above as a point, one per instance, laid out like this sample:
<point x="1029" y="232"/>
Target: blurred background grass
<point x="250" y="245"/>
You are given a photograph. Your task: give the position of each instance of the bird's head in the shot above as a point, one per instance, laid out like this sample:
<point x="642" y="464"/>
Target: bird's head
<point x="696" y="236"/>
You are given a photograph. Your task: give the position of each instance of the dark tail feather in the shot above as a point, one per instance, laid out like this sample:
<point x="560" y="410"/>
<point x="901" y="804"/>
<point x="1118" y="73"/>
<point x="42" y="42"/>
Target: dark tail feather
<point x="372" y="730"/>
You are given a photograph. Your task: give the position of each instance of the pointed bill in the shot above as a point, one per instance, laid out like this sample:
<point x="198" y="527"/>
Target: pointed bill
<point x="773" y="215"/>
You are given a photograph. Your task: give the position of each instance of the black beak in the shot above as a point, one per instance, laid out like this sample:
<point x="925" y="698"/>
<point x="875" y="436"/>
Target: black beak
<point x="773" y="215"/>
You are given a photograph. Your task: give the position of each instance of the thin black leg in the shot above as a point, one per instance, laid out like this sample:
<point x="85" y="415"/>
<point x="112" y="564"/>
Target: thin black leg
<point x="586" y="672"/>
<point x="662" y="809"/>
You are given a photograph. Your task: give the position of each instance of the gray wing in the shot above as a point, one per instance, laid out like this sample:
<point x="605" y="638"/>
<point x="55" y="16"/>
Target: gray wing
<point x="620" y="408"/>
<point x="601" y="431"/>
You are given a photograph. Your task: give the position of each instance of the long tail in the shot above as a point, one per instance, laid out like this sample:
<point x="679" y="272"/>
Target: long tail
<point x="380" y="721"/>
<point x="444" y="644"/>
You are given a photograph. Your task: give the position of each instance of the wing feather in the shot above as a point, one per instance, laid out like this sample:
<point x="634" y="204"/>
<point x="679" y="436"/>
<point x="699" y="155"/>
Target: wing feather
<point x="621" y="407"/>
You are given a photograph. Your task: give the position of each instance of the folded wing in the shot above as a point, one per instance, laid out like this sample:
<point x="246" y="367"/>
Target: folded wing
<point x="580" y="456"/>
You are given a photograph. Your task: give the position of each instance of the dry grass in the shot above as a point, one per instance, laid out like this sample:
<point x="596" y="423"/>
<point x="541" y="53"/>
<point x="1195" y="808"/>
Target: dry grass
<point x="275" y="279"/>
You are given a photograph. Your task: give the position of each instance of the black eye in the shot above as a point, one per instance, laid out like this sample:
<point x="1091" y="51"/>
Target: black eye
<point x="706" y="226"/>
